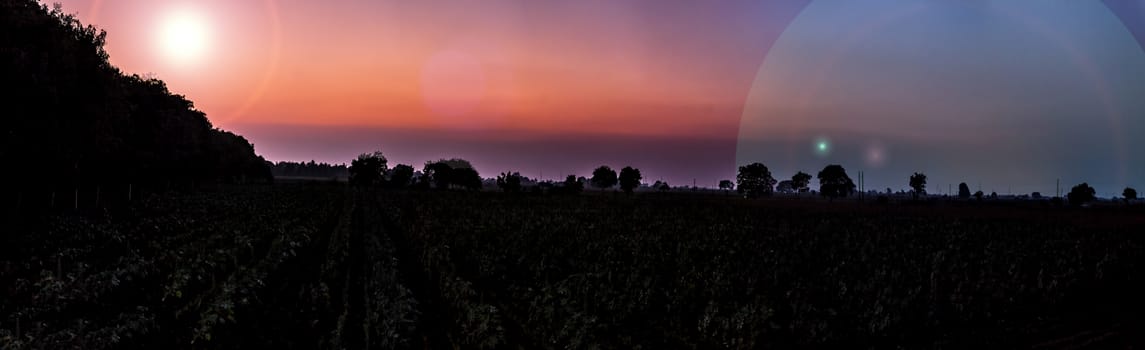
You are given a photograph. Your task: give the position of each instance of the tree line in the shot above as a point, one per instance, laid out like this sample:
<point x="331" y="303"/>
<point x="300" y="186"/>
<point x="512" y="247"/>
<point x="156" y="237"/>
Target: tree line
<point x="752" y="180"/>
<point x="310" y="169"/>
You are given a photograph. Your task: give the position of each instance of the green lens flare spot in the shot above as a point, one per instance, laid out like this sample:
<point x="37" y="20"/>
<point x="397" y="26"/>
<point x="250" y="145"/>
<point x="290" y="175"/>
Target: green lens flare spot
<point x="822" y="147"/>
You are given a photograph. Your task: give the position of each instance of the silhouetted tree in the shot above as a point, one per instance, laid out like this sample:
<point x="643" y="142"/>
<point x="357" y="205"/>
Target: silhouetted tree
<point x="509" y="182"/>
<point x="466" y="178"/>
<point x="573" y="185"/>
<point x="401" y="176"/>
<point x="800" y="181"/>
<point x="629" y="179"/>
<point x="603" y="177"/>
<point x="438" y="173"/>
<point x="963" y="191"/>
<point x="785" y="186"/>
<point x="755" y="180"/>
<point x="1129" y="194"/>
<point x="368" y="169"/>
<point x="661" y="186"/>
<point x="978" y="195"/>
<point x="727" y="185"/>
<point x="421" y="181"/>
<point x="918" y="184"/>
<point x="834" y="182"/>
<point x="456" y="163"/>
<point x="1081" y="194"/>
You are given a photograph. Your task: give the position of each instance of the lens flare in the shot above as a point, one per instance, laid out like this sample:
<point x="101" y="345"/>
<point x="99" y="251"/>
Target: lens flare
<point x="876" y="155"/>
<point x="453" y="86"/>
<point x="822" y="147"/>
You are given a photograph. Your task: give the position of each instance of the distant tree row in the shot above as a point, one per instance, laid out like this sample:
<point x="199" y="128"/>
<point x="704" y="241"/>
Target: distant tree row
<point x="753" y="180"/>
<point x="513" y="183"/>
<point x="371" y="169"/>
<point x="310" y="169"/>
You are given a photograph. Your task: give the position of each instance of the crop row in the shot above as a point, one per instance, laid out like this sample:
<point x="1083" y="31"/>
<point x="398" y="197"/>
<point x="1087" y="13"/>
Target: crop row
<point x="169" y="271"/>
<point x="649" y="272"/>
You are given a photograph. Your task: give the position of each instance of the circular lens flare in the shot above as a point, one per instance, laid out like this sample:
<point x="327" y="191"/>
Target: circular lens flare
<point x="876" y="155"/>
<point x="453" y="86"/>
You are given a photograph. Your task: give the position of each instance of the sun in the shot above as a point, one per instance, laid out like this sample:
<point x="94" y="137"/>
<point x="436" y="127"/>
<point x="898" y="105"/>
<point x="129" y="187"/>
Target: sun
<point x="184" y="38"/>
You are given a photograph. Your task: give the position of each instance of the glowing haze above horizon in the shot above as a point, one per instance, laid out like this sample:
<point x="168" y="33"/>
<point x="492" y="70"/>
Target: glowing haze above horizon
<point x="1007" y="96"/>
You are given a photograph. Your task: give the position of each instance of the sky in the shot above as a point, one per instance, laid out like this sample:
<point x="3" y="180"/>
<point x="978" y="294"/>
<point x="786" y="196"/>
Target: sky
<point x="1012" y="95"/>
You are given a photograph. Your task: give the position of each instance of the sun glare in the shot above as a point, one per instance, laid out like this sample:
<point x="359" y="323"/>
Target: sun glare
<point x="184" y="38"/>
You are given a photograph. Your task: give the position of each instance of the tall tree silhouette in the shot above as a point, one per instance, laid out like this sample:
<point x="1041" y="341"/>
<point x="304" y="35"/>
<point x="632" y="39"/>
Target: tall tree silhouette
<point x="368" y="169"/>
<point x="785" y="186"/>
<point x="1129" y="194"/>
<point x="629" y="179"/>
<point x="510" y="181"/>
<point x="603" y="177"/>
<point x="400" y="176"/>
<point x="754" y="180"/>
<point x="466" y="178"/>
<point x="963" y="191"/>
<point x="573" y="185"/>
<point x="1081" y="194"/>
<point x="834" y="182"/>
<point x="727" y="185"/>
<point x="800" y="181"/>
<point x="918" y="184"/>
<point x="438" y="173"/>
<point x="456" y="163"/>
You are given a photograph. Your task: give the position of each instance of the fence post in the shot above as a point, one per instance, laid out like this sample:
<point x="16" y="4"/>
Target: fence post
<point x="128" y="193"/>
<point x="76" y="198"/>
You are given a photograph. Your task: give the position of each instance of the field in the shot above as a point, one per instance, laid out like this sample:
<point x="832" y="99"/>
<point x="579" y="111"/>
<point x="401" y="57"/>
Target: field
<point x="327" y="266"/>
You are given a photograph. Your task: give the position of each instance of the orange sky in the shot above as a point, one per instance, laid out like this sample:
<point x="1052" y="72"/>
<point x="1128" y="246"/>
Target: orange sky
<point x="599" y="67"/>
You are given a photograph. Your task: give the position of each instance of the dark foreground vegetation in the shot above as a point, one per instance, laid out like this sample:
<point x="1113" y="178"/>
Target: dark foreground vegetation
<point x="330" y="266"/>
